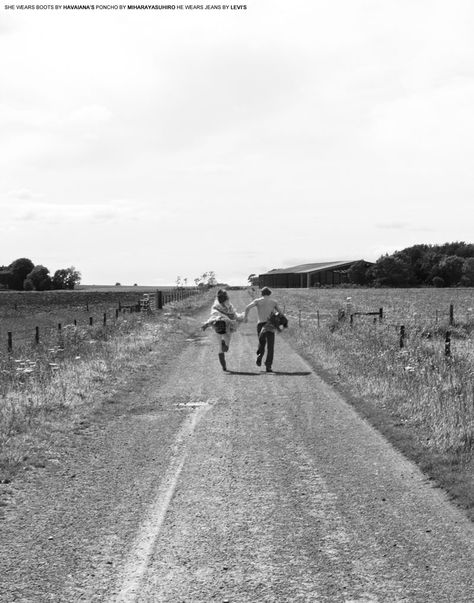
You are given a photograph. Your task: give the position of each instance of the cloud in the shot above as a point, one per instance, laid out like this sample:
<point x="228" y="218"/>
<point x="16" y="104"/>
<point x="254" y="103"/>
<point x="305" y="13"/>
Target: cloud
<point x="78" y="214"/>
<point x="393" y="225"/>
<point x="22" y="194"/>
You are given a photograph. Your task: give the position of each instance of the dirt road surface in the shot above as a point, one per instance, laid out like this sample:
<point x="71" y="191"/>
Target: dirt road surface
<point x="198" y="486"/>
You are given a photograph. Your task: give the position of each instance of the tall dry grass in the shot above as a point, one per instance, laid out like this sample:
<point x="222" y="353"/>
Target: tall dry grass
<point x="45" y="390"/>
<point x="417" y="384"/>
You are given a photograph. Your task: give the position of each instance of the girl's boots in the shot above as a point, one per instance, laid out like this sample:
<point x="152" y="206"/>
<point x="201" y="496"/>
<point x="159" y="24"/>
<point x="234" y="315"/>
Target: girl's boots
<point x="222" y="361"/>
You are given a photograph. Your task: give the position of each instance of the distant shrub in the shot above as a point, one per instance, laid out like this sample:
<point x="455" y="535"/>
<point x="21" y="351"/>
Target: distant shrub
<point x="438" y="281"/>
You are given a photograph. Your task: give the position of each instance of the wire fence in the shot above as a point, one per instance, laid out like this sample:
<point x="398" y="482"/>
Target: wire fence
<point x="50" y="332"/>
<point x="442" y="328"/>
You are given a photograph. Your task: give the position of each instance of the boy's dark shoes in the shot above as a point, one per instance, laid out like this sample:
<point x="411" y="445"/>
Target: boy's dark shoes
<point x="259" y="361"/>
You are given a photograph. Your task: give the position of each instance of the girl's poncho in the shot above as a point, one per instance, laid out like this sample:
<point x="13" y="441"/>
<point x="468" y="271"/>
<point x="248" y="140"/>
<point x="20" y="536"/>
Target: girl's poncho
<point x="225" y="312"/>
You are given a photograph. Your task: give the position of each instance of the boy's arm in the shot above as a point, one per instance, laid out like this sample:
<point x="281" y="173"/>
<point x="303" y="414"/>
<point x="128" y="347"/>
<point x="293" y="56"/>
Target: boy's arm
<point x="249" y="307"/>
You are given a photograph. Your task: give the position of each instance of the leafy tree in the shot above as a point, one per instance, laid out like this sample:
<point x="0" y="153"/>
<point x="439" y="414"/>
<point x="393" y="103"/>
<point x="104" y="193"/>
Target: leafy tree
<point x="459" y="248"/>
<point x="5" y="276"/>
<point x="39" y="278"/>
<point x="19" y="270"/>
<point x="253" y="279"/>
<point x="467" y="278"/>
<point x="207" y="279"/>
<point x="359" y="273"/>
<point x="66" y="278"/>
<point x="450" y="269"/>
<point x="390" y="271"/>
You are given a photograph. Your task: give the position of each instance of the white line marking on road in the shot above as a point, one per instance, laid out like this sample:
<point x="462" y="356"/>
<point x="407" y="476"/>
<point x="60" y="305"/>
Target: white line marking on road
<point x="148" y="532"/>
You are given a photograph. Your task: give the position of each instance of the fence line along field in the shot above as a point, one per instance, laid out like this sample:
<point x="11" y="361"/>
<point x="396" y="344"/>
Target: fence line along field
<point x="28" y="318"/>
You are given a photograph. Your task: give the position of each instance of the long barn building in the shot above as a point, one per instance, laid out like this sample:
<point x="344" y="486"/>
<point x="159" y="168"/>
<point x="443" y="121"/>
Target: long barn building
<point x="308" y="275"/>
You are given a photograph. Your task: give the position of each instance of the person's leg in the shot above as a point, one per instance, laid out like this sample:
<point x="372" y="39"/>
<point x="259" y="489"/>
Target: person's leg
<point x="225" y="342"/>
<point x="270" y="336"/>
<point x="221" y="354"/>
<point x="261" y="343"/>
<point x="222" y="360"/>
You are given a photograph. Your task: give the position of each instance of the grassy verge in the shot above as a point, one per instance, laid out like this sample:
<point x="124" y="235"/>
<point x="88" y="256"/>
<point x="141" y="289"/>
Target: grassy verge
<point x="46" y="393"/>
<point x="421" y="400"/>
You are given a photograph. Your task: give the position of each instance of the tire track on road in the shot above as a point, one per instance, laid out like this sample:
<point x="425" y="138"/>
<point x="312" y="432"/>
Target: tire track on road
<point x="149" y="530"/>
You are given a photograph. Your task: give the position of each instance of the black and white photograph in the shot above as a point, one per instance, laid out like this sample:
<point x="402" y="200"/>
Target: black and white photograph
<point x="237" y="302"/>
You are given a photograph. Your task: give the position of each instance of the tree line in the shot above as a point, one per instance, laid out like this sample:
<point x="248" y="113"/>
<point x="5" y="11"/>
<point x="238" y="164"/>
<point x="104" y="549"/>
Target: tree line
<point x="23" y="275"/>
<point x="446" y="265"/>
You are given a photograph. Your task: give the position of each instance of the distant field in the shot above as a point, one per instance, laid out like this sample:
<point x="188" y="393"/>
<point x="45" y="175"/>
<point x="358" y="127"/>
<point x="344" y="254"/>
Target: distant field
<point x="400" y="306"/>
<point x="22" y="311"/>
<point x="124" y="288"/>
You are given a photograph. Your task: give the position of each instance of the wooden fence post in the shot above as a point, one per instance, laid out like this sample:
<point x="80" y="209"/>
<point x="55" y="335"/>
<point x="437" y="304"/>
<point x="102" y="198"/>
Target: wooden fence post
<point x="380" y="313"/>
<point x="159" y="300"/>
<point x="37" y="335"/>
<point x="91" y="321"/>
<point x="402" y="336"/>
<point x="105" y="318"/>
<point x="447" y="344"/>
<point x="451" y="315"/>
<point x="75" y="322"/>
<point x="317" y="314"/>
<point x="10" y="341"/>
<point x="59" y="328"/>
<point x="116" y="313"/>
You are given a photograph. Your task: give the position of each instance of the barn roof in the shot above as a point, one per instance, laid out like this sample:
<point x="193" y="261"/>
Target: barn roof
<point x="314" y="267"/>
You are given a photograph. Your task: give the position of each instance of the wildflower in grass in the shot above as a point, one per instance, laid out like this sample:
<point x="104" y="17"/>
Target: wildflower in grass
<point x="410" y="369"/>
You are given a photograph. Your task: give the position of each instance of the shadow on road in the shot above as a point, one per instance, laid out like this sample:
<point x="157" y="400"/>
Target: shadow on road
<point x="243" y="373"/>
<point x="296" y="373"/>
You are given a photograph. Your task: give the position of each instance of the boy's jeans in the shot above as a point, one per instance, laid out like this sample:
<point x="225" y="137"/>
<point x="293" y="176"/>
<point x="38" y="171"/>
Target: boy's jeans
<point x="268" y="339"/>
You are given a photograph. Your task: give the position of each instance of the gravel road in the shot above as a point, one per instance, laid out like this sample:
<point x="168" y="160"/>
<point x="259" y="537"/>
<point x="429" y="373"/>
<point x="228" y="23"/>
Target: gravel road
<point x="198" y="486"/>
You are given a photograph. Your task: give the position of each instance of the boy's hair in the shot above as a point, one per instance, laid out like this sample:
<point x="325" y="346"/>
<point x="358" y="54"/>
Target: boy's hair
<point x="266" y="291"/>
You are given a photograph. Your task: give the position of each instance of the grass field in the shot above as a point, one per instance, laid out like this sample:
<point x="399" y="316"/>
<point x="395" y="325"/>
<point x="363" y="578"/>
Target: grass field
<point x="420" y="398"/>
<point x="21" y="312"/>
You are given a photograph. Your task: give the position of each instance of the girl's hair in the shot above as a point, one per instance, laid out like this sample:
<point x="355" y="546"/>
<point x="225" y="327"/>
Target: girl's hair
<point x="266" y="291"/>
<point x="222" y="296"/>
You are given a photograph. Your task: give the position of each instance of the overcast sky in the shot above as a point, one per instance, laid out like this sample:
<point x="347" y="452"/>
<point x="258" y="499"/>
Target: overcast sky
<point x="143" y="145"/>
